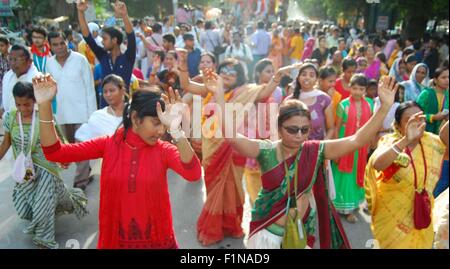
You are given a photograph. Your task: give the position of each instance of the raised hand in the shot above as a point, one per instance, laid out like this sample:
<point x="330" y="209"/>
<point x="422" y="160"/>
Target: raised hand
<point x="120" y="9"/>
<point x="387" y="87"/>
<point x="82" y="5"/>
<point x="173" y="114"/>
<point x="415" y="127"/>
<point x="182" y="56"/>
<point x="44" y="88"/>
<point x="213" y="82"/>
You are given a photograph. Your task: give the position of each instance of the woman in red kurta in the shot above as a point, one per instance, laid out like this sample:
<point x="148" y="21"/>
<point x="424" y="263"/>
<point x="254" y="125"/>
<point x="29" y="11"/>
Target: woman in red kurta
<point x="135" y="208"/>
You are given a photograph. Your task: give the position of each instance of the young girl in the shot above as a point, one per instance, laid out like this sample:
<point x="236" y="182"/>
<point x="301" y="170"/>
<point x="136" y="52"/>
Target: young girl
<point x="135" y="209"/>
<point x="342" y="83"/>
<point x="327" y="82"/>
<point x="348" y="171"/>
<point x="318" y="102"/>
<point x="41" y="198"/>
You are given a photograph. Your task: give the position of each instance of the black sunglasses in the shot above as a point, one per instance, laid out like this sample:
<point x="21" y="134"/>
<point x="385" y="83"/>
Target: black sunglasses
<point x="295" y="130"/>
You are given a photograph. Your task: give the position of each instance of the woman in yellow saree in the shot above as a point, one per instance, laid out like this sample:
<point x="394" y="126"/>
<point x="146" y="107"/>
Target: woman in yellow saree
<point x="400" y="179"/>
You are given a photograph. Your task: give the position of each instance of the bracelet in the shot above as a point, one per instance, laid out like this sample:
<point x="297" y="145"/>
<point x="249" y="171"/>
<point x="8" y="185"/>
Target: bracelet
<point x="184" y="71"/>
<point x="47" y="121"/>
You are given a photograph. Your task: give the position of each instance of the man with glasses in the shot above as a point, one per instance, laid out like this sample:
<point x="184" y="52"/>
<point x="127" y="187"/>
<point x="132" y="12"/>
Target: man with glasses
<point x="22" y="69"/>
<point x="40" y="49"/>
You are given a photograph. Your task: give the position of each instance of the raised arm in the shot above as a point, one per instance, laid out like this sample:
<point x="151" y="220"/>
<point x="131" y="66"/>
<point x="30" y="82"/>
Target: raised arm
<point x="274" y="82"/>
<point x="6" y="144"/>
<point x="185" y="82"/>
<point x="243" y="145"/>
<point x="44" y="91"/>
<point x="414" y="131"/>
<point x="82" y="6"/>
<point x="335" y="149"/>
<point x="121" y="11"/>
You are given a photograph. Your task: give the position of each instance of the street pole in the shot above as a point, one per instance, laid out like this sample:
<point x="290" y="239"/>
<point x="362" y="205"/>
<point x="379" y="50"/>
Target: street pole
<point x="175" y="6"/>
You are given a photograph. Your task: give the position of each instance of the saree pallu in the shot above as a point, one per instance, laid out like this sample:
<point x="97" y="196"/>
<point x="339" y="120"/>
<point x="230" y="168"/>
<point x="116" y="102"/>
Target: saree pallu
<point x="271" y="203"/>
<point x="223" y="209"/>
<point x="390" y="195"/>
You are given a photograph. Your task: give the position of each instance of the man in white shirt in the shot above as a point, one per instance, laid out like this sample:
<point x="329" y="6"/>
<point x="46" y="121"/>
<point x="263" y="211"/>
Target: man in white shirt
<point x="75" y="100"/>
<point x="22" y="69"/>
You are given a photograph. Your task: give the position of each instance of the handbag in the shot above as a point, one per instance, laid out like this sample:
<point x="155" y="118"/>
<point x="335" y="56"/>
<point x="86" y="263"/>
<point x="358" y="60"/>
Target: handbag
<point x="23" y="168"/>
<point x="422" y="203"/>
<point x="294" y="233"/>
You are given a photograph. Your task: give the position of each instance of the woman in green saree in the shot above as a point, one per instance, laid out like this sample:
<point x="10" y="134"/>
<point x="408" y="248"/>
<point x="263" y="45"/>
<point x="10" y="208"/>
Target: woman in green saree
<point x="294" y="155"/>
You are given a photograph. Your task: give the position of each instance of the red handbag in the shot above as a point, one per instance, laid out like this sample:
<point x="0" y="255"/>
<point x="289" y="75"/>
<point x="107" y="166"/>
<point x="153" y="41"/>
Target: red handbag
<point x="422" y="204"/>
<point x="422" y="209"/>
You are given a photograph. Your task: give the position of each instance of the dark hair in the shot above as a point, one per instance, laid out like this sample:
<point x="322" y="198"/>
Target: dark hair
<point x="347" y="63"/>
<point x="320" y="38"/>
<point x="56" y="35"/>
<point x="208" y="25"/>
<point x="381" y="56"/>
<point x="144" y="103"/>
<point x="199" y="21"/>
<point x="40" y="30"/>
<point x="237" y="65"/>
<point x="326" y="71"/>
<point x="397" y="94"/>
<point x="259" y="67"/>
<point x="4" y="40"/>
<point x="291" y="108"/>
<point x="401" y="43"/>
<point x="260" y="25"/>
<point x="377" y="42"/>
<point x="166" y="19"/>
<point x="161" y="54"/>
<point x="156" y="27"/>
<point x="114" y="79"/>
<point x="114" y="32"/>
<point x="439" y="71"/>
<point x="24" y="89"/>
<point x="372" y="82"/>
<point x="68" y="33"/>
<point x="25" y="50"/>
<point x="408" y="51"/>
<point x="285" y="80"/>
<point x="402" y="108"/>
<point x="358" y="79"/>
<point x="298" y="87"/>
<point x="169" y="38"/>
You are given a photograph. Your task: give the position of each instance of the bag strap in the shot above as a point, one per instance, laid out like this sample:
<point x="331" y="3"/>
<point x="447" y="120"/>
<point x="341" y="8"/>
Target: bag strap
<point x="289" y="182"/>
<point x="22" y="136"/>
<point x="154" y="40"/>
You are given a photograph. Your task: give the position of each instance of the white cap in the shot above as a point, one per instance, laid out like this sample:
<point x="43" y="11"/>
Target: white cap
<point x="93" y="27"/>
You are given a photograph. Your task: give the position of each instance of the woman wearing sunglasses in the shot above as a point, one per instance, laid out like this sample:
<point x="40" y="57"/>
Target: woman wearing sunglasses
<point x="222" y="212"/>
<point x="295" y="157"/>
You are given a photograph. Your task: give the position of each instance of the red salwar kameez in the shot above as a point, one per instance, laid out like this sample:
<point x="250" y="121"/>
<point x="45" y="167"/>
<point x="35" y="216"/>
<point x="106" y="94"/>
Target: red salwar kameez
<point x="135" y="209"/>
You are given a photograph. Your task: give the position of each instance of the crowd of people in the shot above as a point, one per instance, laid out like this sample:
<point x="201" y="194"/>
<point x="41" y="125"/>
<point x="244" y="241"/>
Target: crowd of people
<point x="361" y="122"/>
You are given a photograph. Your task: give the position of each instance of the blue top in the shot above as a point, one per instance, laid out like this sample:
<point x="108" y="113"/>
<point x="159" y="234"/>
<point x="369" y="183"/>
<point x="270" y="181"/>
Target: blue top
<point x="263" y="41"/>
<point x="193" y="62"/>
<point x="124" y="63"/>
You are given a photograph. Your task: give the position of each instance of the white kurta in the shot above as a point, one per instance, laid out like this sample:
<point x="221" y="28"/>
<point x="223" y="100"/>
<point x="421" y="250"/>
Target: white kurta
<point x="9" y="80"/>
<point x="76" y="93"/>
<point x="100" y="123"/>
